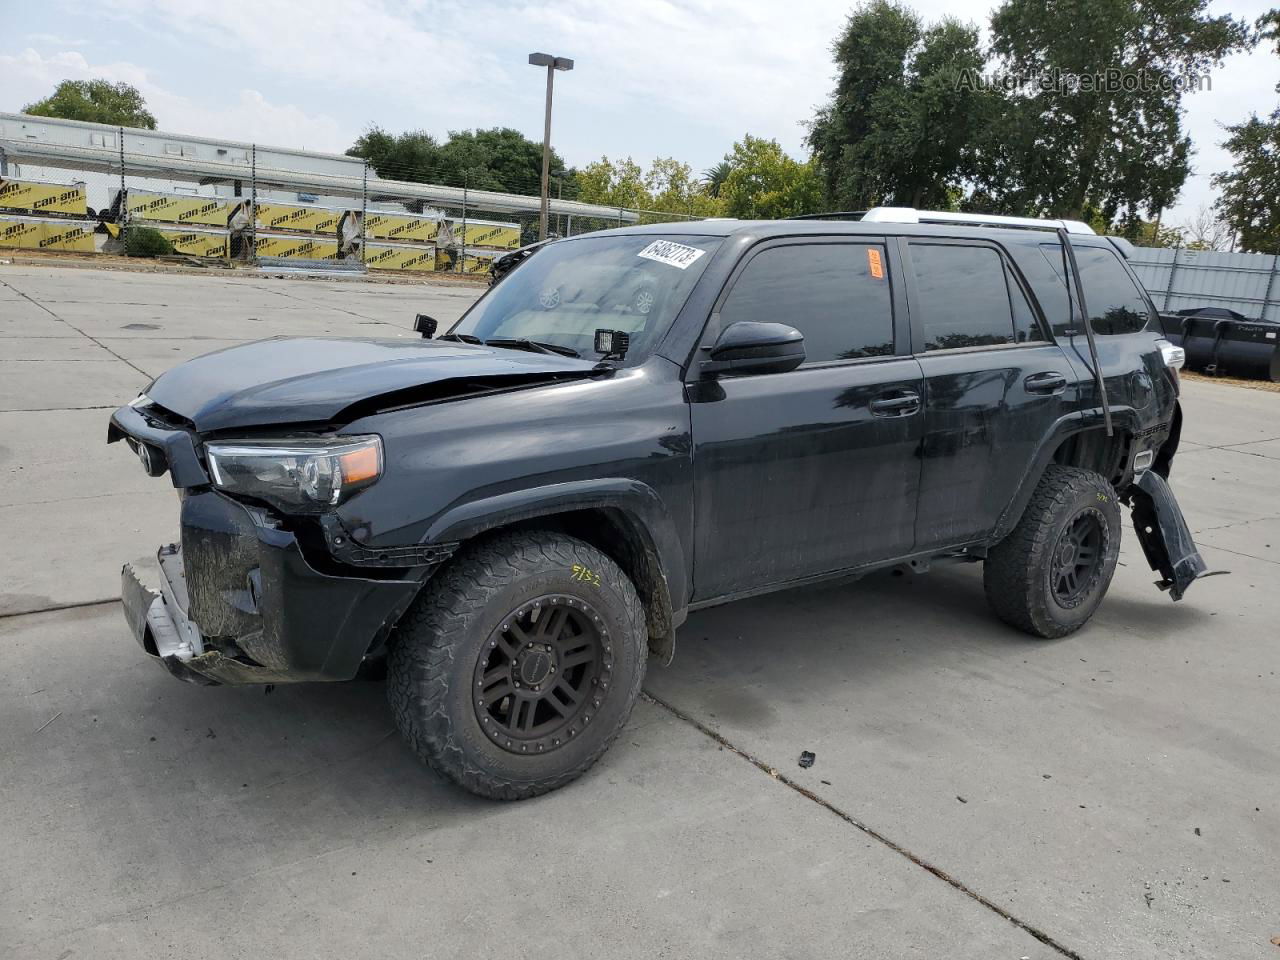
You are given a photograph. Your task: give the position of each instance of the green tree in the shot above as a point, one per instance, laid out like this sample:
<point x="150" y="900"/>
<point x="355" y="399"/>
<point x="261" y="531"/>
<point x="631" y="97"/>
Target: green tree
<point x="610" y="184"/>
<point x="1250" y="193"/>
<point x="497" y="159"/>
<point x="1249" y="202"/>
<point x="766" y="184"/>
<point x="500" y="159"/>
<point x="674" y="189"/>
<point x="413" y="155"/>
<point x="901" y="126"/>
<point x="668" y="190"/>
<point x="98" y="101"/>
<point x="1106" y="130"/>
<point x="714" y="177"/>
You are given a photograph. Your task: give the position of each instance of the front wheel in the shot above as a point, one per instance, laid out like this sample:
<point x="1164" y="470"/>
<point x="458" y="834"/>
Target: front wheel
<point x="518" y="666"/>
<point x="1049" y="575"/>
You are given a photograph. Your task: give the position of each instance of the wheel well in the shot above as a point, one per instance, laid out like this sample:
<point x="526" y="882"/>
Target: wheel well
<point x="615" y="534"/>
<point x="1094" y="450"/>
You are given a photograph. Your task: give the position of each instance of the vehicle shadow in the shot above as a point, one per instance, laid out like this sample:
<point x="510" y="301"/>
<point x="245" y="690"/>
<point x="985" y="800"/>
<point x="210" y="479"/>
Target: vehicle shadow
<point x="742" y="663"/>
<point x="275" y="766"/>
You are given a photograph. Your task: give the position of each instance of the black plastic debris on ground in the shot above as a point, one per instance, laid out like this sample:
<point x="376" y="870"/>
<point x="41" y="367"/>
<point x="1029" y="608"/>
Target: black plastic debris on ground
<point x="807" y="758"/>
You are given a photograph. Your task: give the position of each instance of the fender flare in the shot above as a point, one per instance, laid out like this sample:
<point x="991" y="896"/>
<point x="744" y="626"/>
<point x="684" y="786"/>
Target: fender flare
<point x="1125" y="420"/>
<point x="638" y="503"/>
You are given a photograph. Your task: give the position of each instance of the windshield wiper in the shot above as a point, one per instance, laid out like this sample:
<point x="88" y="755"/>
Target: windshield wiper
<point x="533" y="346"/>
<point x="461" y="338"/>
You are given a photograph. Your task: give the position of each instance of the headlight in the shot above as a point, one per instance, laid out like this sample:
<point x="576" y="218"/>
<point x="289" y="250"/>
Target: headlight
<point x="305" y="474"/>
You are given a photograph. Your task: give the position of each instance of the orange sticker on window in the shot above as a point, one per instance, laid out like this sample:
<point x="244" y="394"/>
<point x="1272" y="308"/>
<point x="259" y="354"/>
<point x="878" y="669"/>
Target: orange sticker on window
<point x="875" y="263"/>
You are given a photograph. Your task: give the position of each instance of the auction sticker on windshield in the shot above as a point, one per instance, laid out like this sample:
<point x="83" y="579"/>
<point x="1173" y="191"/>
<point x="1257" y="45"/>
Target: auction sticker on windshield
<point x="672" y="254"/>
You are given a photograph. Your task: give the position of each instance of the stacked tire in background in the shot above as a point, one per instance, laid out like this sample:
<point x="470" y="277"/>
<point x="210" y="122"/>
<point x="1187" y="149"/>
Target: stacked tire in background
<point x="1221" y="342"/>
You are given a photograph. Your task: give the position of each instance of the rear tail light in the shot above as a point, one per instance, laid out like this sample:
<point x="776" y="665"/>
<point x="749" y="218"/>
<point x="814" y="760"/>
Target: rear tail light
<point x="1174" y="357"/>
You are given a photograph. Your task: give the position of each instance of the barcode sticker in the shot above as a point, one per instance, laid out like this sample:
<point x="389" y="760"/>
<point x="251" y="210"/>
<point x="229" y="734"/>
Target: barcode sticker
<point x="671" y="253"/>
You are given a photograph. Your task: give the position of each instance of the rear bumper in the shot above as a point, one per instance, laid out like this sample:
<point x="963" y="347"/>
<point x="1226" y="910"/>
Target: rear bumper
<point x="239" y="603"/>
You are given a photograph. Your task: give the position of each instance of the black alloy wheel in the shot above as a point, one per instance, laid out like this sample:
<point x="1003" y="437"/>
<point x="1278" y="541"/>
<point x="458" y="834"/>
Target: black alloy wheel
<point x="542" y="673"/>
<point x="1048" y="576"/>
<point x="1077" y="557"/>
<point x="518" y="663"/>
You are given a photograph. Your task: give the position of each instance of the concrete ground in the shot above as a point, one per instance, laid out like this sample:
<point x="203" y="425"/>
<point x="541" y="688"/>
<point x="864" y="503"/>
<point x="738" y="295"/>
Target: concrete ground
<point x="976" y="794"/>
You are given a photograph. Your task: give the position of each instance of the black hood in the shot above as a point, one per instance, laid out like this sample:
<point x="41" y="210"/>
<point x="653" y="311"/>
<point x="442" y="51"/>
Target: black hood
<point x="315" y="379"/>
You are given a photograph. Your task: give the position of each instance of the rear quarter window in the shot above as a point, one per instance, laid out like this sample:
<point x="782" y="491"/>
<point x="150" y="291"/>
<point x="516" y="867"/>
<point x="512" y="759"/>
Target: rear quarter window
<point x="1116" y="304"/>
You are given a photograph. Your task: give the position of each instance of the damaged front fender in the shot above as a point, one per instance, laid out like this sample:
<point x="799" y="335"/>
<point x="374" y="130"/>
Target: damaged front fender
<point x="1166" y="540"/>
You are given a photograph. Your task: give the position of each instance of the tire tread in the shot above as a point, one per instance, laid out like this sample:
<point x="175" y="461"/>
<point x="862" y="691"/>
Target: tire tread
<point x="1010" y="572"/>
<point x="429" y="635"/>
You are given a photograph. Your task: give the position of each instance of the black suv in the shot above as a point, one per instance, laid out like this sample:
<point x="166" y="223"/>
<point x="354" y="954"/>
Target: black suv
<point x="515" y="514"/>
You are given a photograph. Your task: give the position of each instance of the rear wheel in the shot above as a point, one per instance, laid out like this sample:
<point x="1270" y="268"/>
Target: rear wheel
<point x="517" y="667"/>
<point x="1049" y="575"/>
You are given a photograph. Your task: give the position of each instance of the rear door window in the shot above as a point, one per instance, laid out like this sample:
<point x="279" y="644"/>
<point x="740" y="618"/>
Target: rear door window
<point x="836" y="294"/>
<point x="1116" y="305"/>
<point x="963" y="298"/>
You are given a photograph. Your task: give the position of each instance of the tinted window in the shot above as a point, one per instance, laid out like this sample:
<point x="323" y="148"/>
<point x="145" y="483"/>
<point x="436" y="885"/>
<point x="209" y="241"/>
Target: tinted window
<point x="836" y="294"/>
<point x="1025" y="325"/>
<point x="1116" y="305"/>
<point x="963" y="296"/>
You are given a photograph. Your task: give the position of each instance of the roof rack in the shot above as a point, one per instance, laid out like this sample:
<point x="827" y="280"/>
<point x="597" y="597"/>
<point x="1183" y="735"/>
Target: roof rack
<point x="832" y="215"/>
<point x="912" y="215"/>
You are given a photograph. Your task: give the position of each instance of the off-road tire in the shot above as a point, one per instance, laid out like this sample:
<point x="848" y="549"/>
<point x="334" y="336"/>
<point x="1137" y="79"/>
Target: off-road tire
<point x="1018" y="575"/>
<point x="441" y="638"/>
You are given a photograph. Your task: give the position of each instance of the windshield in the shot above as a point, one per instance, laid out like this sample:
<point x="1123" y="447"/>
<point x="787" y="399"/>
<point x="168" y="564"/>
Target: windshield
<point x="568" y="290"/>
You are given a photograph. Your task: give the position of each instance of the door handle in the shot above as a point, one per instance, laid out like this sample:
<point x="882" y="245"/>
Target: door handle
<point x="1052" y="382"/>
<point x="899" y="405"/>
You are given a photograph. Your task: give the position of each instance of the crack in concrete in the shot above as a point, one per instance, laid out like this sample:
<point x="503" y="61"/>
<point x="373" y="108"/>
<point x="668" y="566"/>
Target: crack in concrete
<point x="1235" y="523"/>
<point x="37" y="303"/>
<point x="870" y="831"/>
<point x="112" y="406"/>
<point x="59" y="606"/>
<point x="1239" y="553"/>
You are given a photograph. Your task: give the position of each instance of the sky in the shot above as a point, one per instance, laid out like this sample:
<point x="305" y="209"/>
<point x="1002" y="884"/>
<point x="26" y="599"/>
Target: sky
<point x="651" y="77"/>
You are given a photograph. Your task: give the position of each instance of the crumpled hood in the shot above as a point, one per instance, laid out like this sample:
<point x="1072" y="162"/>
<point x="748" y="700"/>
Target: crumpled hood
<point x="314" y="379"/>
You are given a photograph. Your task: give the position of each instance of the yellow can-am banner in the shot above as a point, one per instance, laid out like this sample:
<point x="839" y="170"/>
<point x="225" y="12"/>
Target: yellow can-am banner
<point x="171" y="208"/>
<point x="385" y="256"/>
<point x="486" y="233"/>
<point x="475" y="261"/>
<point x="400" y="226"/>
<point x="196" y="243"/>
<point x="30" y="233"/>
<point x="42" y="197"/>
<point x="273" y="215"/>
<point x="286" y="247"/>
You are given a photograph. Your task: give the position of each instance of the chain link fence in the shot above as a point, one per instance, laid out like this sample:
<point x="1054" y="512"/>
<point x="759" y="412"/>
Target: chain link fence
<point x="87" y="188"/>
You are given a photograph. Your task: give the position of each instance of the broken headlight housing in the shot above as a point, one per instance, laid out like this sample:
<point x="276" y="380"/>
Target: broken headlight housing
<point x="296" y="474"/>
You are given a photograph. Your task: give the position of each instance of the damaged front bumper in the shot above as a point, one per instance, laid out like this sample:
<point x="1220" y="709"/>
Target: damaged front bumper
<point x="239" y="603"/>
<point x="1165" y="537"/>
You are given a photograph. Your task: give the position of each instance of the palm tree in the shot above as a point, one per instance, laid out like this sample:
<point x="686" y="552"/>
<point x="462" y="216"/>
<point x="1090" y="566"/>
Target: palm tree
<point x="716" y="176"/>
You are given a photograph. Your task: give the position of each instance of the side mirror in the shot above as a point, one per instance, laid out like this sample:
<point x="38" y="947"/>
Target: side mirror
<point x="753" y="347"/>
<point x="425" y="325"/>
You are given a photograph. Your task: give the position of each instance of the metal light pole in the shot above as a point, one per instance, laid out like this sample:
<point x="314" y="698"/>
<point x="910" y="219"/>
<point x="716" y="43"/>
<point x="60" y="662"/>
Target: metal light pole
<point x="552" y="64"/>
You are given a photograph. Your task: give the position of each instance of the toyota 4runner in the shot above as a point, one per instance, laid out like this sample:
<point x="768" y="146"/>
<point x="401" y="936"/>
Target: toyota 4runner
<point x="517" y="513"/>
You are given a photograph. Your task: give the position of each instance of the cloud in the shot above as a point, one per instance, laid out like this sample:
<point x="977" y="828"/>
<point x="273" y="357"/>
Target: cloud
<point x="29" y="76"/>
<point x="53" y="40"/>
<point x="681" y="78"/>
